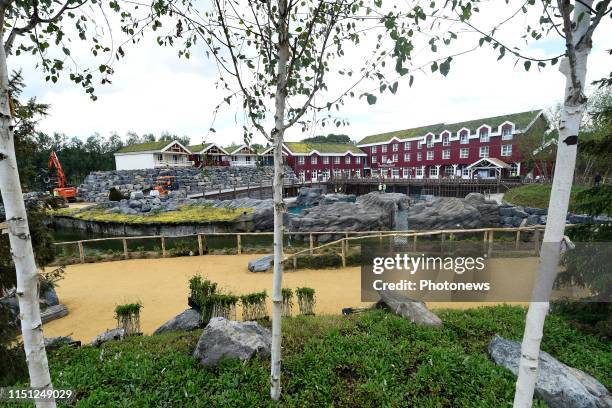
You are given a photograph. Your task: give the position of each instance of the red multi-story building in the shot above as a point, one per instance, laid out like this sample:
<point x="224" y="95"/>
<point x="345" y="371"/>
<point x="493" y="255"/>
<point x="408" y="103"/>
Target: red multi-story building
<point x="484" y="148"/>
<point x="322" y="161"/>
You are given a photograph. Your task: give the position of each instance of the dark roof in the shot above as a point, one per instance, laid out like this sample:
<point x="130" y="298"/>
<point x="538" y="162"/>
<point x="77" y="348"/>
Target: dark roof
<point x="324" y="148"/>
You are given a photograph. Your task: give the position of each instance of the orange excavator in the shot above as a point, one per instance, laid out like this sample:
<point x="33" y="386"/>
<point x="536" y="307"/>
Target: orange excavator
<point x="61" y="189"/>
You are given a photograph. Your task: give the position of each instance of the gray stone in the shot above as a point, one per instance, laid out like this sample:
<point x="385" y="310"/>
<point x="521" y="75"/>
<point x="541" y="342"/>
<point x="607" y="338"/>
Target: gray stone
<point x="444" y="213"/>
<point x="543" y="219"/>
<point x="579" y="219"/>
<point x="559" y="385"/>
<point x="536" y="211"/>
<point x="227" y="339"/>
<point x="518" y="212"/>
<point x="517" y="221"/>
<point x="185" y="321"/>
<point x="136" y="195"/>
<point x="533" y="219"/>
<point x="49" y="297"/>
<point x="56" y="342"/>
<point x="407" y="308"/>
<point x="506" y="211"/>
<point x="262" y="264"/>
<point x="108" y="335"/>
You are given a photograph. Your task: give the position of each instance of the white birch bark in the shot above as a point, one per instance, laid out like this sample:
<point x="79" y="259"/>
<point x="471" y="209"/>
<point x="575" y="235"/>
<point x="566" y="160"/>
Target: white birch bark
<point x="278" y="133"/>
<point x="571" y="115"/>
<point x="21" y="244"/>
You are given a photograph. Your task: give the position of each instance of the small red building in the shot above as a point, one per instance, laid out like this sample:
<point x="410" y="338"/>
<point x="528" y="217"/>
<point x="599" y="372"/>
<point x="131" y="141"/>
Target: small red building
<point x="322" y="161"/>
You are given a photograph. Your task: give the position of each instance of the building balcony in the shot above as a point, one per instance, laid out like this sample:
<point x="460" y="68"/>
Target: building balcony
<point x="174" y="164"/>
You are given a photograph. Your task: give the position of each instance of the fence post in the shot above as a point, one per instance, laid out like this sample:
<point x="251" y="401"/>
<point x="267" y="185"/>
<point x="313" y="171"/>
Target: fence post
<point x="238" y="244"/>
<point x="485" y="238"/>
<point x="343" y="255"/>
<point x="81" y="251"/>
<point x="490" y="249"/>
<point x="125" y="249"/>
<point x="537" y="242"/>
<point x="518" y="239"/>
<point x="311" y="243"/>
<point x="346" y="243"/>
<point x="294" y="262"/>
<point x="200" y="247"/>
<point x="414" y="243"/>
<point x="163" y="244"/>
<point x="234" y="191"/>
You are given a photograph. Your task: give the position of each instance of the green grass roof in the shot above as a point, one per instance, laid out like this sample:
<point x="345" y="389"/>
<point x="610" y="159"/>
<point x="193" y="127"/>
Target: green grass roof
<point x="198" y="148"/>
<point x="325" y="148"/>
<point x="144" y="147"/>
<point x="521" y="121"/>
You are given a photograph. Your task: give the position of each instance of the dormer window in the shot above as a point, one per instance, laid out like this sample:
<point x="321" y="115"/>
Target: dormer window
<point x="464" y="138"/>
<point x="429" y="141"/>
<point x="507" y="133"/>
<point x="445" y="140"/>
<point x="395" y="147"/>
<point x="374" y="149"/>
<point x="484" y="135"/>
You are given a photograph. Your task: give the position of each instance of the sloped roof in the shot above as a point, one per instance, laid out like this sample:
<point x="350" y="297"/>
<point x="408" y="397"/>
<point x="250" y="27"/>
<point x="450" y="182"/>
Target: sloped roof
<point x="232" y="149"/>
<point x="145" y="147"/>
<point x="496" y="162"/>
<point x="323" y="148"/>
<point x="198" y="148"/>
<point x="521" y="121"/>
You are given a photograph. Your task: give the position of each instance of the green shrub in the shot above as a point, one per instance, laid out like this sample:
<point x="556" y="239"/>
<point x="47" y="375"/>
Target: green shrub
<point x="128" y="317"/>
<point x="306" y="300"/>
<point x="287" y="301"/>
<point x="254" y="306"/>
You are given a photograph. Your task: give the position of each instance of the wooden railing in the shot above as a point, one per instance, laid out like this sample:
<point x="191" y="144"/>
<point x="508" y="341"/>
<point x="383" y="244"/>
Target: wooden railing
<point x="349" y="236"/>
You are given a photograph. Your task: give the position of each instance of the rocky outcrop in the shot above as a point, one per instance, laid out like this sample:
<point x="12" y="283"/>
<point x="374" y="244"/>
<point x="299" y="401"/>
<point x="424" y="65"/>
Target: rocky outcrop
<point x="407" y="308"/>
<point x="262" y="264"/>
<point x="184" y="321"/>
<point x="313" y="196"/>
<point x="559" y="385"/>
<point x="226" y="339"/>
<point x="444" y="213"/>
<point x="108" y="335"/>
<point x="190" y="180"/>
<point x="57" y="342"/>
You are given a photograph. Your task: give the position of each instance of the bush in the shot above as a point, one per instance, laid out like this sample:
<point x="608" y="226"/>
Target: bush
<point x="306" y="300"/>
<point x="115" y="195"/>
<point x="128" y="317"/>
<point x="254" y="306"/>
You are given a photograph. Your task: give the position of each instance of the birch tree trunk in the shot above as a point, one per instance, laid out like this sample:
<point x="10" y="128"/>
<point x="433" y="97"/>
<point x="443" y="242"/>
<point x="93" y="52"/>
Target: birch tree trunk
<point x="21" y="244"/>
<point x="574" y="68"/>
<point x="279" y="205"/>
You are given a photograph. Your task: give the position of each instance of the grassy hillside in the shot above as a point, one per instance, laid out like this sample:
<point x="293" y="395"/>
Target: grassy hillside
<point x="534" y="195"/>
<point x="367" y="360"/>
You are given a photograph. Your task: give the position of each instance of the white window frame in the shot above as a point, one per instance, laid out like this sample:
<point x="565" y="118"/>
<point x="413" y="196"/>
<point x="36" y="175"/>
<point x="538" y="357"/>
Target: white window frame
<point x="418" y="171"/>
<point x="506" y="150"/>
<point x="300" y="159"/>
<point x="314" y="160"/>
<point x="358" y="173"/>
<point x="448" y="170"/>
<point x="433" y="171"/>
<point x="430" y="142"/>
<point x="383" y="148"/>
<point x="374" y="149"/>
<point x="430" y="155"/>
<point x="483" y="152"/>
<point x="406" y="157"/>
<point x="336" y="159"/>
<point x="419" y="156"/>
<point x="464" y="153"/>
<point x="465" y="172"/>
<point x="313" y="175"/>
<point x="347" y="159"/>
<point x="325" y="159"/>
<point x="445" y="140"/>
<point x="395" y="173"/>
<point x="485" y="136"/>
<point x="383" y="159"/>
<point x="407" y="145"/>
<point x="464" y="138"/>
<point x="446" y="154"/>
<point x="507" y="133"/>
<point x="395" y="158"/>
<point x="406" y="172"/>
<point x="395" y="147"/>
<point x="358" y="160"/>
<point x="374" y="159"/>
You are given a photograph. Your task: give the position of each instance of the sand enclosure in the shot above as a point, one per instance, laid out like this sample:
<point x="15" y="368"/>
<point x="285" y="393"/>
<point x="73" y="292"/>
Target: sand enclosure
<point x="91" y="291"/>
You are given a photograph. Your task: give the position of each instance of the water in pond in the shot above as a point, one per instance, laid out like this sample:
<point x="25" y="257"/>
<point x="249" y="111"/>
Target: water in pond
<point x="297" y="209"/>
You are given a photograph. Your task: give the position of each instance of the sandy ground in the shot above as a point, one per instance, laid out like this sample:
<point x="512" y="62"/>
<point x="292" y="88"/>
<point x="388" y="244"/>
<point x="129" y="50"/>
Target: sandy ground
<point x="91" y="291"/>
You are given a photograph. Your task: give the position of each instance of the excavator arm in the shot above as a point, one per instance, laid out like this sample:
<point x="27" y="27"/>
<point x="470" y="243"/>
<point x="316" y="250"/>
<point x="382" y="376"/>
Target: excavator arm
<point x="61" y="177"/>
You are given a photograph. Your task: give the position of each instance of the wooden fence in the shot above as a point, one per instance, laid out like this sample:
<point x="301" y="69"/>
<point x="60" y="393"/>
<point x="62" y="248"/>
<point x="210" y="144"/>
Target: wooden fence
<point x="349" y="236"/>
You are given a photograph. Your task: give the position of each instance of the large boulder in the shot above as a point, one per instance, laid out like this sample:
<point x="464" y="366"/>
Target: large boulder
<point x="108" y="335"/>
<point x="444" y="213"/>
<point x="49" y="296"/>
<point x="309" y="196"/>
<point x="407" y="308"/>
<point x="226" y="339"/>
<point x="559" y="385"/>
<point x="489" y="209"/>
<point x="262" y="264"/>
<point x="184" y="321"/>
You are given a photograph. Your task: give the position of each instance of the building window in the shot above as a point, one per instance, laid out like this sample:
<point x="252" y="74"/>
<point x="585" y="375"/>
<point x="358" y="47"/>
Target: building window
<point x="514" y="170"/>
<point x="446" y="154"/>
<point x="419" y="156"/>
<point x="429" y="141"/>
<point x="507" y="133"/>
<point x="383" y="148"/>
<point x="358" y="173"/>
<point x="395" y="173"/>
<point x="464" y="138"/>
<point x="430" y="155"/>
<point x="395" y="147"/>
<point x="300" y="159"/>
<point x="419" y="172"/>
<point x="357" y="160"/>
<point x="325" y="160"/>
<point x="407" y="145"/>
<point x="374" y="159"/>
<point x="302" y="175"/>
<point x="484" y="151"/>
<point x="445" y="140"/>
<point x="406" y="157"/>
<point x="326" y="174"/>
<point x="466" y="172"/>
<point x="395" y="158"/>
<point x="464" y="153"/>
<point x="347" y="160"/>
<point x="314" y="160"/>
<point x="374" y="149"/>
<point x="406" y="172"/>
<point x="484" y="135"/>
<point x="313" y="175"/>
<point x="433" y="171"/>
<point x="506" y="150"/>
<point x="384" y="158"/>
<point x="336" y="173"/>
<point x="448" y="171"/>
<point x="337" y="160"/>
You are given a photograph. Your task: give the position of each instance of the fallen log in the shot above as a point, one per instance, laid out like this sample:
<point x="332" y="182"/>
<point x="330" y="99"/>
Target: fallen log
<point x="53" y="313"/>
<point x="407" y="308"/>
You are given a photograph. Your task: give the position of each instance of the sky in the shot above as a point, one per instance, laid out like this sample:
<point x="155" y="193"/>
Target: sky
<point x="153" y="91"/>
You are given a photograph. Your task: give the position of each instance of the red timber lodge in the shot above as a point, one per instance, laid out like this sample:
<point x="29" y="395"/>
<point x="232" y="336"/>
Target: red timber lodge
<point x="487" y="148"/>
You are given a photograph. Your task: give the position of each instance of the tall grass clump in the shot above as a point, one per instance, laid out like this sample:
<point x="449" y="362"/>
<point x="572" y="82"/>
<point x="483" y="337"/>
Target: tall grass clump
<point x="287" y="301"/>
<point x="222" y="305"/>
<point x="306" y="300"/>
<point x="254" y="306"/>
<point x="128" y="317"/>
<point x="201" y="291"/>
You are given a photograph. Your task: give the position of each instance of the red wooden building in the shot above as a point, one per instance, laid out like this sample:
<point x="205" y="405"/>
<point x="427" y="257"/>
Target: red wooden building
<point x="322" y="161"/>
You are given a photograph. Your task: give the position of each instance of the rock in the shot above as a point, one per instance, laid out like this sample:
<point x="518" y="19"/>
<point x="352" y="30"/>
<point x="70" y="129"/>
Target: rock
<point x="56" y="342"/>
<point x="49" y="296"/>
<point x="533" y="219"/>
<point x="407" y="308"/>
<point x="185" y="321"/>
<point x="536" y="211"/>
<point x="506" y="211"/>
<point x="136" y="195"/>
<point x="262" y="264"/>
<point x="309" y="196"/>
<point x="53" y="313"/>
<point x="223" y="339"/>
<point x="519" y="212"/>
<point x="559" y="385"/>
<point x="444" y="213"/>
<point x="579" y="219"/>
<point x="109" y="335"/>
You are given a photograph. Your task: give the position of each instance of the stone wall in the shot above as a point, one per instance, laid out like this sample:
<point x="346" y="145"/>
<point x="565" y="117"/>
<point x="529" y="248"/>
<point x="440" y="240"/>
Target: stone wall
<point x="191" y="181"/>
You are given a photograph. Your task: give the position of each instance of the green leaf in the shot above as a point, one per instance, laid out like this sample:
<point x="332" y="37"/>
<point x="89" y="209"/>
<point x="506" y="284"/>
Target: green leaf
<point x="434" y="66"/>
<point x="371" y="99"/>
<point x="527" y="65"/>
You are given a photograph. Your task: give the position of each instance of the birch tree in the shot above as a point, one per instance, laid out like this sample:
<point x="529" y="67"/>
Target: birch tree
<point x="47" y="30"/>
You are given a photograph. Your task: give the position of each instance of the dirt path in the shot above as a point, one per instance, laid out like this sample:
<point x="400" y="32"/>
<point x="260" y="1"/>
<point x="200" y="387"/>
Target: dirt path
<point x="91" y="291"/>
